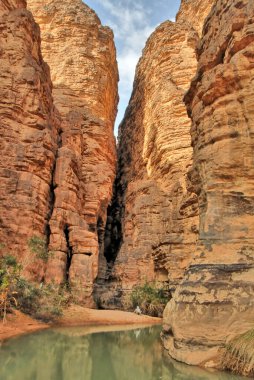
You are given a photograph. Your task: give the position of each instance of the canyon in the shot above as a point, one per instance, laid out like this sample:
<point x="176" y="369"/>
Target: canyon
<point x="172" y="204"/>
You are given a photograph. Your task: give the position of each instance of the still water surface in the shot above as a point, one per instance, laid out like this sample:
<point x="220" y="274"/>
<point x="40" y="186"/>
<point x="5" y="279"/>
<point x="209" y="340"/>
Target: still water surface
<point x="86" y="354"/>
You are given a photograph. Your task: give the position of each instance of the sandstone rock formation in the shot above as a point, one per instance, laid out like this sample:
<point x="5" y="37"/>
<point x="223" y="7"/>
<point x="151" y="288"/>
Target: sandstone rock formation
<point x="28" y="135"/>
<point x="58" y="162"/>
<point x="152" y="226"/>
<point x="215" y="299"/>
<point x="82" y="59"/>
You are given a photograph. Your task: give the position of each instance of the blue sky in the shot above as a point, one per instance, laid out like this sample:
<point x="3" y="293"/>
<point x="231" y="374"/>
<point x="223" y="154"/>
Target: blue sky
<point x="132" y="22"/>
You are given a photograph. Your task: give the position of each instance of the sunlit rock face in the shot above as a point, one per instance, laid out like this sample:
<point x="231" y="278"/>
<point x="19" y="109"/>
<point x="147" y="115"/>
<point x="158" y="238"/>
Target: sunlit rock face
<point x="193" y="13"/>
<point x="153" y="224"/>
<point x="82" y="60"/>
<point x="28" y="136"/>
<point x="215" y="299"/>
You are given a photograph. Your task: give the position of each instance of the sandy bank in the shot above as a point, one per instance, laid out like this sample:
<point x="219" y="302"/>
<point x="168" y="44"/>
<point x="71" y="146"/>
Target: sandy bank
<point x="78" y="316"/>
<point x="19" y="323"/>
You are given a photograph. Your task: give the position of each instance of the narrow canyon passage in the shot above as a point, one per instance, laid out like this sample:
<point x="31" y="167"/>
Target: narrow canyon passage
<point x="170" y="205"/>
<point x="152" y="227"/>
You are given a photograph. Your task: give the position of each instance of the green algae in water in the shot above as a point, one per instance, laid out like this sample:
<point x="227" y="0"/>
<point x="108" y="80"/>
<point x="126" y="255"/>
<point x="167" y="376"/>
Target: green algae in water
<point x="78" y="354"/>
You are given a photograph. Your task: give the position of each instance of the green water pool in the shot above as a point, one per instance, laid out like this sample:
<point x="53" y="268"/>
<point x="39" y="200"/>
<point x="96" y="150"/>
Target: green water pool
<point x="84" y="353"/>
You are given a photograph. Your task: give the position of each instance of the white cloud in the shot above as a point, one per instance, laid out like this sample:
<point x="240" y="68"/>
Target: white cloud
<point x="127" y="63"/>
<point x="129" y="56"/>
<point x="132" y="21"/>
<point x="132" y="25"/>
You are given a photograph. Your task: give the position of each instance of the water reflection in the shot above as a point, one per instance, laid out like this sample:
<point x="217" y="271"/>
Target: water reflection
<point x="84" y="354"/>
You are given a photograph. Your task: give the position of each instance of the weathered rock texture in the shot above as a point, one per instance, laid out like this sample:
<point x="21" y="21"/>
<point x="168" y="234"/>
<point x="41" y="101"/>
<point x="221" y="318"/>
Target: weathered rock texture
<point x="28" y="135"/>
<point x="154" y="218"/>
<point x="215" y="299"/>
<point x="82" y="59"/>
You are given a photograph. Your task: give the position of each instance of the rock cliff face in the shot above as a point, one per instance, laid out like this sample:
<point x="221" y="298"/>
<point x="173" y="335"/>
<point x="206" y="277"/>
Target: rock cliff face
<point x="215" y="299"/>
<point x="28" y="135"/>
<point x="82" y="58"/>
<point x="58" y="161"/>
<point x="153" y="223"/>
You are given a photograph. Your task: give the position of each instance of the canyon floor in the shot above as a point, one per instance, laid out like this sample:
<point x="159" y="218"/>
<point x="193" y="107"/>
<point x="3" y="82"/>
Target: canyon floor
<point x="19" y="323"/>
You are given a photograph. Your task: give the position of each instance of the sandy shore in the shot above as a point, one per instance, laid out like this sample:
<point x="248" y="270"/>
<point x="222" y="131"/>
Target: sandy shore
<point x="80" y="316"/>
<point x="19" y="323"/>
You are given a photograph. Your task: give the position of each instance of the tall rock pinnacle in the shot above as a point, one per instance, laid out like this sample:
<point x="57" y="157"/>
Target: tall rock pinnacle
<point x="82" y="59"/>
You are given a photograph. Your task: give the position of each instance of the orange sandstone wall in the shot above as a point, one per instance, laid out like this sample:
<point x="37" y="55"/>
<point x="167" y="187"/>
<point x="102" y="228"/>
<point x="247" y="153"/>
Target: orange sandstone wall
<point x="28" y="135"/>
<point x="58" y="158"/>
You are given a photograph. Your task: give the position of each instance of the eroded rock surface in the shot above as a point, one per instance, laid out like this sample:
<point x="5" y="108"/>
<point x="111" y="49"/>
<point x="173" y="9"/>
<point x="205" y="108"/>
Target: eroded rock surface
<point x="81" y="56"/>
<point x="215" y="299"/>
<point x="152" y="226"/>
<point x="28" y="135"/>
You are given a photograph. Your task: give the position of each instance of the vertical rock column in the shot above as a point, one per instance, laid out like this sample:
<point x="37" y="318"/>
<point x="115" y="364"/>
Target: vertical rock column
<point x="215" y="300"/>
<point x="154" y="194"/>
<point x="28" y="134"/>
<point x="81" y="55"/>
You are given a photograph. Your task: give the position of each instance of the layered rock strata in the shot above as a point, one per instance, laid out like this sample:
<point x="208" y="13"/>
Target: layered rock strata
<point x="215" y="299"/>
<point x="28" y="135"/>
<point x="153" y="223"/>
<point x="82" y="58"/>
